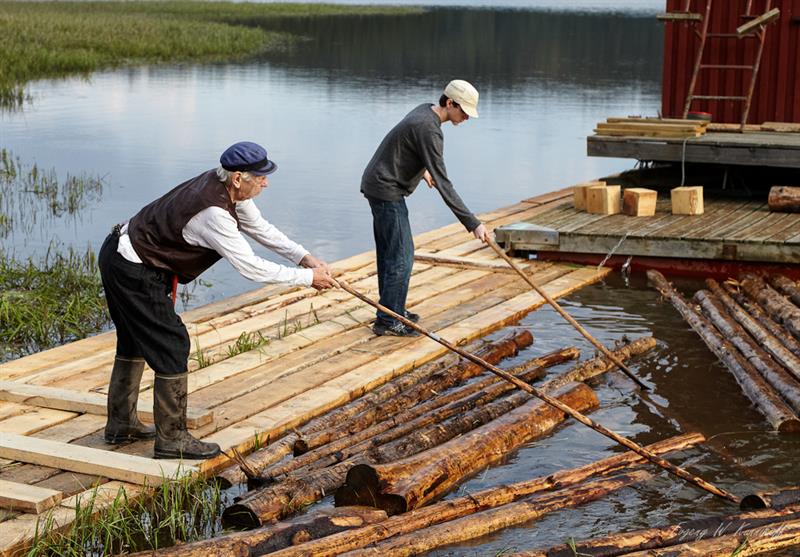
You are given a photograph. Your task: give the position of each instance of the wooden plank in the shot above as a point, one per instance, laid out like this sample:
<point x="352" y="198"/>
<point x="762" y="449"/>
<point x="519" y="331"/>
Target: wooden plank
<point x="620" y="131"/>
<point x="753" y="25"/>
<point x="84" y="403"/>
<point x="690" y="126"/>
<point x="679" y="16"/>
<point x="27" y="498"/>
<point x="652" y="119"/>
<point x="35" y="419"/>
<point x="102" y="496"/>
<point x="781" y="127"/>
<point x="463" y="262"/>
<point x="85" y="460"/>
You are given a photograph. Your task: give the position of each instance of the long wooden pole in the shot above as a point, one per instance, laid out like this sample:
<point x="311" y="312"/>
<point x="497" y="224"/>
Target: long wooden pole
<point x="587" y="335"/>
<point x="625" y="442"/>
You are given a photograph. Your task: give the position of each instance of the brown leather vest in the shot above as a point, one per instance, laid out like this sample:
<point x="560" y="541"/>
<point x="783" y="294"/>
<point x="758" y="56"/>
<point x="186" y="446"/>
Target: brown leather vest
<point x="156" y="232"/>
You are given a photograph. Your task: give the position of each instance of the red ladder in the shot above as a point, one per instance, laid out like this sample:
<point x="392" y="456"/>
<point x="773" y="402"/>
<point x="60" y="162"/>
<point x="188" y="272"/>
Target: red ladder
<point x="754" y="27"/>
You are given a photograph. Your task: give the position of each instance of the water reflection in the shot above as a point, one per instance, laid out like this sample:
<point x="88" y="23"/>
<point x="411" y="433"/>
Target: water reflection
<point x="322" y="108"/>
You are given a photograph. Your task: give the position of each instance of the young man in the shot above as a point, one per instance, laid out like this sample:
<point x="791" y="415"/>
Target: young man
<point x="174" y="239"/>
<point x="410" y="152"/>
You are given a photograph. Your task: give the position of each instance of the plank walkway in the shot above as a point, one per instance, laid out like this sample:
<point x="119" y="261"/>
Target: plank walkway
<point x="732" y="230"/>
<point x="321" y="353"/>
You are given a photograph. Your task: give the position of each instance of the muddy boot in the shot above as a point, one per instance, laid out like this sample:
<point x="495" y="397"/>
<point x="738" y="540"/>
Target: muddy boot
<point x="172" y="439"/>
<point x="123" y="393"/>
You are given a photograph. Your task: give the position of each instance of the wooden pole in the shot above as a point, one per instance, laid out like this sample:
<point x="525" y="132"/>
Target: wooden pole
<point x="625" y="442"/>
<point x="586" y="334"/>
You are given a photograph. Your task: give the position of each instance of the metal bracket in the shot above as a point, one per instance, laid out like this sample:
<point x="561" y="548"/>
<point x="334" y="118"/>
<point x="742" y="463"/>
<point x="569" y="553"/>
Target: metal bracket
<point x="526" y="233"/>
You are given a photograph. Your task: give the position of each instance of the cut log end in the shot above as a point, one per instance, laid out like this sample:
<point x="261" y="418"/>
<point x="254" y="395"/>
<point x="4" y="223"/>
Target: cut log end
<point x="791" y="425"/>
<point x="240" y="516"/>
<point x="362" y="487"/>
<point x="771" y="499"/>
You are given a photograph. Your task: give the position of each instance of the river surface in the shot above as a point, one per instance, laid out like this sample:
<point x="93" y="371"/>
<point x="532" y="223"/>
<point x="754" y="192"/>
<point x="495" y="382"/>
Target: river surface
<point x="546" y="73"/>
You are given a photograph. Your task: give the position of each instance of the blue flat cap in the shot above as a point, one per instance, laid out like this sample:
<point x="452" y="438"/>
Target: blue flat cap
<point x="247" y="156"/>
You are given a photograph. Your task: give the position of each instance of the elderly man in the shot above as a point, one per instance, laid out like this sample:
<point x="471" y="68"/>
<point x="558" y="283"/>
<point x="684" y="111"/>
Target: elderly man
<point x="171" y="240"/>
<point x="410" y="152"/>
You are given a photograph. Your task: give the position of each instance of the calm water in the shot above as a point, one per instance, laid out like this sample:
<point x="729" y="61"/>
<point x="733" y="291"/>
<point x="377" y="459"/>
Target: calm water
<point x="546" y="76"/>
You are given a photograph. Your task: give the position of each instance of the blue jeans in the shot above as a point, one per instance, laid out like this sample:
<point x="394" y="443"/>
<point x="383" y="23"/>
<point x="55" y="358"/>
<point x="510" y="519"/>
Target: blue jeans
<point x="394" y="248"/>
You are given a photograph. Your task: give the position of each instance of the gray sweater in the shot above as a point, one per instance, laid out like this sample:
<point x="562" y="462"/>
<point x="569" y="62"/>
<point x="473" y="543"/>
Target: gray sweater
<point x="396" y="168"/>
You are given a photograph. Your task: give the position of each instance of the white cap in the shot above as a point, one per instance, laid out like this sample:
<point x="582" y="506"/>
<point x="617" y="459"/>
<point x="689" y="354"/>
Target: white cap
<point x="463" y="93"/>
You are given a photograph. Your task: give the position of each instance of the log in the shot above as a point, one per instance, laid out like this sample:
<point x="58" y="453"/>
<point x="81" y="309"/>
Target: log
<point x="271" y="454"/>
<point x="412" y="482"/>
<point x="665" y="536"/>
<point x="753" y="541"/>
<point x="768" y="402"/>
<point x="278" y="535"/>
<point x="780" y="309"/>
<point x="487" y="498"/>
<point x="434" y="410"/>
<point x="261" y="506"/>
<point x="784" y="383"/>
<point x="786" y="286"/>
<point x="437" y="382"/>
<point x="784" y="199"/>
<point x="768" y="341"/>
<point x="492" y="520"/>
<point x="764" y="319"/>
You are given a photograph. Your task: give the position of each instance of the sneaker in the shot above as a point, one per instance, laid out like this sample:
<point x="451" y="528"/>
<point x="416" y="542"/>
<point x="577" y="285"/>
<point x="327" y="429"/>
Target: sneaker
<point x="411" y="316"/>
<point x="396" y="329"/>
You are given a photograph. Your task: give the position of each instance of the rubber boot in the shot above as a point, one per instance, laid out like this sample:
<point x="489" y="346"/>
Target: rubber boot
<point x="172" y="438"/>
<point x="123" y="422"/>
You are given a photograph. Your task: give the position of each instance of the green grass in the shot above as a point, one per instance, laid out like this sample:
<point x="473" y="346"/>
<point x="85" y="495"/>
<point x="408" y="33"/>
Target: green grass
<point x="55" y="39"/>
<point x="48" y="302"/>
<point x="184" y="510"/>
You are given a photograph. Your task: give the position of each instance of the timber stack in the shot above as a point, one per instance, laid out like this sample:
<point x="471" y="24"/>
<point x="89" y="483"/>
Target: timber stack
<point x="390" y="454"/>
<point x="656" y="128"/>
<point x="753" y="326"/>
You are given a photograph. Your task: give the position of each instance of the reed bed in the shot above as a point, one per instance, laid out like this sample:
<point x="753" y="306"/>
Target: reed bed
<point x="182" y="510"/>
<point x="55" y="39"/>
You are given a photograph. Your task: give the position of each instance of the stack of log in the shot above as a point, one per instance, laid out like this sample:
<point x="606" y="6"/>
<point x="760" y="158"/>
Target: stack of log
<point x="411" y="441"/>
<point x="753" y="327"/>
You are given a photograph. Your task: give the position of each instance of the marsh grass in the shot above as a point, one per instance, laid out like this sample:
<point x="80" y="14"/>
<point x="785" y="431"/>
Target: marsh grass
<point x="31" y="197"/>
<point x="55" y="39"/>
<point x="185" y="510"/>
<point x="48" y="302"/>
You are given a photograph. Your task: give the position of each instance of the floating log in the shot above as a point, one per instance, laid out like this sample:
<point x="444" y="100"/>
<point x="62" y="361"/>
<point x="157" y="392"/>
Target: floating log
<point x="780" y="309"/>
<point x="485" y="522"/>
<point x="771" y="499"/>
<point x="784" y="383"/>
<point x="276" y="536"/>
<point x="767" y="340"/>
<point x="764" y="319"/>
<point x="411" y="482"/>
<point x="435" y="383"/>
<point x="753" y="541"/>
<point x="786" y="286"/>
<point x="274" y="452"/>
<point x="652" y="538"/>
<point x="754" y="386"/>
<point x="784" y="199"/>
<point x="488" y="498"/>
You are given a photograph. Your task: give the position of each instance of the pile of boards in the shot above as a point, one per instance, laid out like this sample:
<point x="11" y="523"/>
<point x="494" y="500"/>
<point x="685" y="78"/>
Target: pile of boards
<point x="753" y="326"/>
<point x="656" y="128"/>
<point x="388" y="455"/>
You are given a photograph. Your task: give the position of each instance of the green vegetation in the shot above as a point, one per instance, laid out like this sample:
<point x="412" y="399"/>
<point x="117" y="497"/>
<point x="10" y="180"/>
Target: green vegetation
<point x="178" y="510"/>
<point x="55" y="39"/>
<point x="49" y="302"/>
<point x="29" y="195"/>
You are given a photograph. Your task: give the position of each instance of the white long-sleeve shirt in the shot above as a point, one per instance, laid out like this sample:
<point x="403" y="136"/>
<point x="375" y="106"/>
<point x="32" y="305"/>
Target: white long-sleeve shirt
<point x="214" y="228"/>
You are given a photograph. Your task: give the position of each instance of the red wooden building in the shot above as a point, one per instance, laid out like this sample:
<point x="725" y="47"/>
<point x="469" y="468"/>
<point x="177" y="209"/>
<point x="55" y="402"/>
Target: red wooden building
<point x="728" y="59"/>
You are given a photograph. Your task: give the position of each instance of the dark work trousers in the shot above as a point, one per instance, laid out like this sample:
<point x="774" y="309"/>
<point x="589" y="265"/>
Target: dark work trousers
<point x="394" y="248"/>
<point x="142" y="311"/>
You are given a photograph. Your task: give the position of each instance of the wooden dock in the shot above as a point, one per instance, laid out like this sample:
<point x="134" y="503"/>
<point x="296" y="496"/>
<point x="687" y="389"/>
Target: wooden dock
<point x="764" y="148"/>
<point x="321" y="353"/>
<point x="729" y="230"/>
